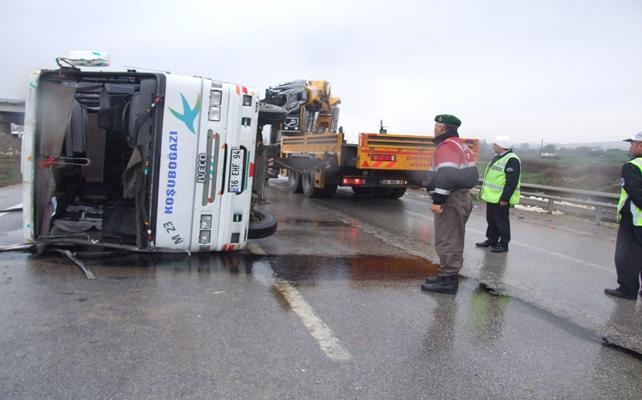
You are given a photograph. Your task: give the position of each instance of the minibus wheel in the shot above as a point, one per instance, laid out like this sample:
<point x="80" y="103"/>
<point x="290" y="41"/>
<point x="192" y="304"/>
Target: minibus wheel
<point x="262" y="224"/>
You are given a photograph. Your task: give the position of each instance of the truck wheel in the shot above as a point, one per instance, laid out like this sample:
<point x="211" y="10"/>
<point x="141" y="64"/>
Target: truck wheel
<point x="382" y="192"/>
<point x="397" y="193"/>
<point x="329" y="190"/>
<point x="294" y="182"/>
<point x="360" y="190"/>
<point x="262" y="224"/>
<point x="307" y="182"/>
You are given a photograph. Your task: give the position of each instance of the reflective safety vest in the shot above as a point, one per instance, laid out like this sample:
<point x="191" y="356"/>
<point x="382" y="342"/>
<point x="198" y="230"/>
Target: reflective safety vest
<point x="495" y="180"/>
<point x="635" y="211"/>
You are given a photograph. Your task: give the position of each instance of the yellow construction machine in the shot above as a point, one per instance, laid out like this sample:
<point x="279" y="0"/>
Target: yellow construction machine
<point x="307" y="144"/>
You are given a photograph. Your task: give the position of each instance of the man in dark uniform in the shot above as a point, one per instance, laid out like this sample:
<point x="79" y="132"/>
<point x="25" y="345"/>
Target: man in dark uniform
<point x="453" y="173"/>
<point x="628" y="247"/>
<point x="500" y="191"/>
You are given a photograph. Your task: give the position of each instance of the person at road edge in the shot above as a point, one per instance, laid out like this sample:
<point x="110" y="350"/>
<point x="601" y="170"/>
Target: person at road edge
<point x="500" y="191"/>
<point x="628" y="246"/>
<point x="453" y="173"/>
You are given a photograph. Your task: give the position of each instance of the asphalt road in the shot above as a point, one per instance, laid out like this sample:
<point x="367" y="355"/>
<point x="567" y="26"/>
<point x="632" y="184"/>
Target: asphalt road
<point x="329" y="307"/>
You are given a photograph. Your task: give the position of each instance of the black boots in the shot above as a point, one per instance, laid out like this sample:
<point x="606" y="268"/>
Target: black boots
<point x="495" y="247"/>
<point x="486" y="243"/>
<point x="499" y="248"/>
<point x="441" y="284"/>
<point x="621" y="293"/>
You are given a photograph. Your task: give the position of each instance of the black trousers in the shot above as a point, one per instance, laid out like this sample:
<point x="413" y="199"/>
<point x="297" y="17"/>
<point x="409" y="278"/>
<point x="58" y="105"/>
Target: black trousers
<point x="498" y="230"/>
<point x="628" y="255"/>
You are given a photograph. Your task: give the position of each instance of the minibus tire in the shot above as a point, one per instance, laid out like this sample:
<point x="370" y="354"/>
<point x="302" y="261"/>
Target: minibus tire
<point x="264" y="226"/>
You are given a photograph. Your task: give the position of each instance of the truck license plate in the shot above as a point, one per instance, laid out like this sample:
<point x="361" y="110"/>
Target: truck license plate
<point x="391" y="181"/>
<point x="236" y="171"/>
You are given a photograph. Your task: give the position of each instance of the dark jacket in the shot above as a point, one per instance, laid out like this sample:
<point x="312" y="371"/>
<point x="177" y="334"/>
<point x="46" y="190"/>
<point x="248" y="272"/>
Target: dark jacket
<point x="453" y="168"/>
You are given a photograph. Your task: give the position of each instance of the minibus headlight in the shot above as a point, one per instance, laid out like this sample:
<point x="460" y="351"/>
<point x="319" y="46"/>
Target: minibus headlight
<point x="206" y="221"/>
<point x="215" y="113"/>
<point x="204" y="236"/>
<point x="215" y="97"/>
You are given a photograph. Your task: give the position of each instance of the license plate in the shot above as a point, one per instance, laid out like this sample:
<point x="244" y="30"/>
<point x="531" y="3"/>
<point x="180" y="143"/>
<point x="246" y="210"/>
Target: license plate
<point x="391" y="181"/>
<point x="236" y="171"/>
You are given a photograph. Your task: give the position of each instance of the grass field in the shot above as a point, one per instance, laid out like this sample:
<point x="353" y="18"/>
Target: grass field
<point x="10" y="170"/>
<point x="9" y="160"/>
<point x="600" y="173"/>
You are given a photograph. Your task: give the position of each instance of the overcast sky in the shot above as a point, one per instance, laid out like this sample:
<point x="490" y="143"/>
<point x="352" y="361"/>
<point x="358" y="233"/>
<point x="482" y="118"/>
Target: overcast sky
<point x="562" y="71"/>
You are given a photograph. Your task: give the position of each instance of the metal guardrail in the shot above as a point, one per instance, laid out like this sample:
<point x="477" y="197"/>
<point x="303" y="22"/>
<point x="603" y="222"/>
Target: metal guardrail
<point x="604" y="205"/>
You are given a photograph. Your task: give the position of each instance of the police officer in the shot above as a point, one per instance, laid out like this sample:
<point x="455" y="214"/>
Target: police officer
<point x="628" y="247"/>
<point x="500" y="190"/>
<point x="453" y="173"/>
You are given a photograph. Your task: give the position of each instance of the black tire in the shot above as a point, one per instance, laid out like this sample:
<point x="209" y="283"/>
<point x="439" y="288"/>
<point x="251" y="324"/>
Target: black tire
<point x="382" y="192"/>
<point x="360" y="190"/>
<point x="329" y="190"/>
<point x="294" y="182"/>
<point x="263" y="224"/>
<point x="397" y="193"/>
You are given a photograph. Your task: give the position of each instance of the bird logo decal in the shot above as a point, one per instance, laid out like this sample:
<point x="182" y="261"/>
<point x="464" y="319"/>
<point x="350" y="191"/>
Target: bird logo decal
<point x="189" y="114"/>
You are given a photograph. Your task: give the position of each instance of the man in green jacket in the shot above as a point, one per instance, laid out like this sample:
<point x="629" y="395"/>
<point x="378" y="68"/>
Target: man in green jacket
<point x="500" y="190"/>
<point x="628" y="247"/>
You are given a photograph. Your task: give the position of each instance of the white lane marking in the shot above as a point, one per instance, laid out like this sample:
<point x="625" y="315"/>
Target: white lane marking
<point x="318" y="329"/>
<point x="19" y="205"/>
<point x="529" y="246"/>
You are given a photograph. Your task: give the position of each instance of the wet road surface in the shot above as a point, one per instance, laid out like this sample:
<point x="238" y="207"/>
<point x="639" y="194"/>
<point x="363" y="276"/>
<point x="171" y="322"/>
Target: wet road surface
<point x="327" y="308"/>
<point x="563" y="271"/>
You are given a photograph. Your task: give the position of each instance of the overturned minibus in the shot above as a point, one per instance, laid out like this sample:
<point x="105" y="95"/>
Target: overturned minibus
<point x="145" y="161"/>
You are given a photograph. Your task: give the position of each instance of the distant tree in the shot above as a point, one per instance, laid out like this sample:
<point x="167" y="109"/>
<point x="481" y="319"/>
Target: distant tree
<point x="549" y="148"/>
<point x="582" y="150"/>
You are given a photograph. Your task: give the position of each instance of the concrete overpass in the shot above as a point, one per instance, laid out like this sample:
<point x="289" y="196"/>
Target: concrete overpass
<point x="11" y="111"/>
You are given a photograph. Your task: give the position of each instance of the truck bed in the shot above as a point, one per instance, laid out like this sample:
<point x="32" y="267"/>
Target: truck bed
<point x="375" y="151"/>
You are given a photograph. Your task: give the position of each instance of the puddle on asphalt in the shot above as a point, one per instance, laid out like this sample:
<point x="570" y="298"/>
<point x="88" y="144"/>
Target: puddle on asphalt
<point x="310" y="269"/>
<point x="295" y="268"/>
